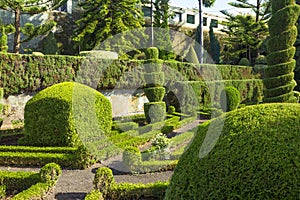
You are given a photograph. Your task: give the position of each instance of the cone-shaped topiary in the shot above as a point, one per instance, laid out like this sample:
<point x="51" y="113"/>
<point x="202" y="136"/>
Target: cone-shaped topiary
<point x="256" y="156"/>
<point x="279" y="74"/>
<point x="230" y="99"/>
<point x="58" y="114"/>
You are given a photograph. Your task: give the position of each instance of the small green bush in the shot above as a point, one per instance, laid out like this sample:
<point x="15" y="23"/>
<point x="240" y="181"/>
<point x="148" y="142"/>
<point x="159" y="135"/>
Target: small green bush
<point x="50" y="118"/>
<point x="94" y="195"/>
<point x="2" y="191"/>
<point x="132" y="159"/>
<point x="244" y="62"/>
<point x="155" y="111"/>
<point x="103" y="180"/>
<point x="171" y="109"/>
<point x="155" y="94"/>
<point x="50" y="173"/>
<point x="152" y="53"/>
<point x="261" y="60"/>
<point x="230" y="99"/>
<point x="248" y="161"/>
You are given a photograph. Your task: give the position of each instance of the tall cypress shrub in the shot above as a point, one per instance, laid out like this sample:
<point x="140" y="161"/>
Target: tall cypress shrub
<point x="279" y="81"/>
<point x="214" y="45"/>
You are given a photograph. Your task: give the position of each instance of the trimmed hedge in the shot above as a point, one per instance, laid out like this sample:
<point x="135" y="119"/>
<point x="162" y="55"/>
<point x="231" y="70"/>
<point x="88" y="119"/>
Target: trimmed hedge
<point x="283" y="32"/>
<point x="155" y="94"/>
<point x="155" y="111"/>
<point x="49" y="175"/>
<point x="105" y="183"/>
<point x="39" y="156"/>
<point x="230" y="99"/>
<point x="199" y="94"/>
<point x="248" y="161"/>
<point x="30" y="185"/>
<point x="29" y="73"/>
<point x="54" y="117"/>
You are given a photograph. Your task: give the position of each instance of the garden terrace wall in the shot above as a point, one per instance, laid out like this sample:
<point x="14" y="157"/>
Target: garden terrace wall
<point x="22" y="73"/>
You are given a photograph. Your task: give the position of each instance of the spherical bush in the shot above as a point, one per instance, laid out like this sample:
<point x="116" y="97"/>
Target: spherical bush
<point x="256" y="156"/>
<point x="58" y="114"/>
<point x="230" y="99"/>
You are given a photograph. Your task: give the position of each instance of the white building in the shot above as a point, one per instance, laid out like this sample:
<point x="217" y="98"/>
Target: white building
<point x="189" y="18"/>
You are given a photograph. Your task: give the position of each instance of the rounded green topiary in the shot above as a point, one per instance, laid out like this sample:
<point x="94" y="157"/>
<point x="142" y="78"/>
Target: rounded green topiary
<point x="152" y="53"/>
<point x="244" y="62"/>
<point x="103" y="180"/>
<point x="50" y="173"/>
<point x="256" y="157"/>
<point x="57" y="115"/>
<point x="230" y="99"/>
<point x="155" y="94"/>
<point x="155" y="111"/>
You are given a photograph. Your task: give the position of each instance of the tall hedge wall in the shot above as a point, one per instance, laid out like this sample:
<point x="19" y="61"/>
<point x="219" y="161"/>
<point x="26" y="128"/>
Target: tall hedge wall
<point x="29" y="73"/>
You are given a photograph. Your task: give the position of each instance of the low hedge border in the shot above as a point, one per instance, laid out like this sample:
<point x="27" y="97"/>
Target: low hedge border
<point x="49" y="175"/>
<point x="105" y="183"/>
<point x="30" y="185"/>
<point x="39" y="156"/>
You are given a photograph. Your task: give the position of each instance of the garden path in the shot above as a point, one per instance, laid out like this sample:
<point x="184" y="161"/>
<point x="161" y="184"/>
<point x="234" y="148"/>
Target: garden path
<point x="75" y="184"/>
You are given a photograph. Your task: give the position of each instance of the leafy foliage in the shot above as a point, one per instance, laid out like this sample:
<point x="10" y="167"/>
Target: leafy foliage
<point x="244" y="37"/>
<point x="31" y="7"/>
<point x="230" y="99"/>
<point x="103" y="19"/>
<point x="279" y="73"/>
<point x="251" y="148"/>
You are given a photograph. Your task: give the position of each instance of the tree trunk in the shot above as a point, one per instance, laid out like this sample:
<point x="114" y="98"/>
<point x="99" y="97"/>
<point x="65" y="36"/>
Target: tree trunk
<point x="201" y="33"/>
<point x="18" y="31"/>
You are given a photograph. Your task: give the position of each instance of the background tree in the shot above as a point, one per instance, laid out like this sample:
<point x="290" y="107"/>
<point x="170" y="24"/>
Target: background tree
<point x="214" y="46"/>
<point x="261" y="8"/>
<point x="244" y="37"/>
<point x="162" y="37"/>
<point x="279" y="81"/>
<point x="30" y="7"/>
<point x="5" y="29"/>
<point x="102" y="19"/>
<point x="199" y="31"/>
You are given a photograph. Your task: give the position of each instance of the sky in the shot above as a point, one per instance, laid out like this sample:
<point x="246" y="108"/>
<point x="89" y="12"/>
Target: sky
<point x="215" y="9"/>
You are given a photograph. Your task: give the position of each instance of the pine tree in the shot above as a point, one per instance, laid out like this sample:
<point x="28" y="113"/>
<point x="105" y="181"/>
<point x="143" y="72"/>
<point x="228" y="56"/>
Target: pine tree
<point x="162" y="37"/>
<point x="214" y="46"/>
<point x="102" y="19"/>
<point x="244" y="37"/>
<point x="261" y="8"/>
<point x="29" y="7"/>
<point x="5" y="29"/>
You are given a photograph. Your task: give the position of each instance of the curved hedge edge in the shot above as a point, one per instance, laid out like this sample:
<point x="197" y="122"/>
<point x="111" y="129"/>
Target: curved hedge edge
<point x="49" y="175"/>
<point x="280" y="69"/>
<point x="282" y="41"/>
<point x="104" y="182"/>
<point x="282" y="56"/>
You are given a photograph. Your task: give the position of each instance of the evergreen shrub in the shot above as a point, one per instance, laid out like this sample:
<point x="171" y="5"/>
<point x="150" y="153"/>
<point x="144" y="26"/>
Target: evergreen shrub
<point x="230" y="99"/>
<point x="152" y="53"/>
<point x="249" y="160"/>
<point x="50" y="119"/>
<point x="155" y="111"/>
<point x="244" y="62"/>
<point x="155" y="94"/>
